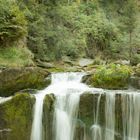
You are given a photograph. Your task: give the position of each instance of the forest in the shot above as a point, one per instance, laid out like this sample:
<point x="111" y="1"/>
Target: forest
<point x="52" y="30"/>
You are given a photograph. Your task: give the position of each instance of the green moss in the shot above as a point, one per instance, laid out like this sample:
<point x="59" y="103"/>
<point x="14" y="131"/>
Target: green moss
<point x="16" y="115"/>
<point x="58" y="69"/>
<point x="13" y="80"/>
<point x="111" y="77"/>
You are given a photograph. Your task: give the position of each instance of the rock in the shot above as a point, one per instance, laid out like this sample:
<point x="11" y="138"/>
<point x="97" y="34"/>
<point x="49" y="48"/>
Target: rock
<point x="48" y="111"/>
<point x="45" y="65"/>
<point x="135" y="82"/>
<point x="67" y="60"/>
<point x="15" y="79"/>
<point x="123" y="62"/>
<point x="88" y="109"/>
<point x="16" y="117"/>
<point x="85" y="62"/>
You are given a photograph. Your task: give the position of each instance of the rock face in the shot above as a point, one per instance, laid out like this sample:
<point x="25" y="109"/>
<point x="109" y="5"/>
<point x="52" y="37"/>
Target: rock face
<point x="48" y="111"/>
<point x="88" y="110"/>
<point x="15" y="79"/>
<point x="16" y="117"/>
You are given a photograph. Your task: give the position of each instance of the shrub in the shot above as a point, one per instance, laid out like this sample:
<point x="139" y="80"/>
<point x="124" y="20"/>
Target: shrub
<point x="111" y="77"/>
<point x="12" y="22"/>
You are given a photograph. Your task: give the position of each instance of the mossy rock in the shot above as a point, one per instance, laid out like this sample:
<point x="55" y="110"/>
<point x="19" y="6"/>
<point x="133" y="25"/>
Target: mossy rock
<point x="110" y="77"/>
<point x="88" y="113"/>
<point x="15" y="79"/>
<point x="16" y="117"/>
<point x="48" y="112"/>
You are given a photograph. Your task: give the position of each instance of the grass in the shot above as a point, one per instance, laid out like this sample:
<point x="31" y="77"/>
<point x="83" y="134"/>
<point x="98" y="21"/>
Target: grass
<point x="15" y="57"/>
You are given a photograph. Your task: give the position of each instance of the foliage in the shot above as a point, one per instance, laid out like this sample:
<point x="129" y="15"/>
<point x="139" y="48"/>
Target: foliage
<point x="12" y="22"/>
<point x="81" y="28"/>
<point x="15" y="57"/>
<point x="111" y="77"/>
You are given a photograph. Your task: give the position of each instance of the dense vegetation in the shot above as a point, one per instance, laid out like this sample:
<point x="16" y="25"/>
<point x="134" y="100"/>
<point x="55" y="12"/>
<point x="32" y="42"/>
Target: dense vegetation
<point x="52" y="29"/>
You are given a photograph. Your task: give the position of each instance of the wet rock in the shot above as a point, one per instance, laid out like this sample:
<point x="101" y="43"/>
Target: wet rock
<point x="15" y="79"/>
<point x="16" y="117"/>
<point x="48" y="111"/>
<point x="88" y="111"/>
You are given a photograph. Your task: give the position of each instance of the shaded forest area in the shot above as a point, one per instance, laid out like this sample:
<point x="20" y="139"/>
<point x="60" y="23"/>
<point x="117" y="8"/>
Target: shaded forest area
<point x="49" y="30"/>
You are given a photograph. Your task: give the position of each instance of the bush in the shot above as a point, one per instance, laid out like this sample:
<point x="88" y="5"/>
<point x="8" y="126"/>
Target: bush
<point x="111" y="77"/>
<point x="12" y="22"/>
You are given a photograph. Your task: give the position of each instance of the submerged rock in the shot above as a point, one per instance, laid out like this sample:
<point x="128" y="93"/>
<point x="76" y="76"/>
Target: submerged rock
<point x="16" y="117"/>
<point x="15" y="79"/>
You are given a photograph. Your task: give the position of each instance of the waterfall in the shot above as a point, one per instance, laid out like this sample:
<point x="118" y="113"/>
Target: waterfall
<point x="131" y="116"/>
<point x="67" y="89"/>
<point x="95" y="128"/>
<point x="66" y="107"/>
<point x="4" y="99"/>
<point x="110" y="116"/>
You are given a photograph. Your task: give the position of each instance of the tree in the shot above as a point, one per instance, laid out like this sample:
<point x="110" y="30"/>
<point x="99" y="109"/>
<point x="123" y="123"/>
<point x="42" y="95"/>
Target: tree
<point x="129" y="20"/>
<point x="12" y="22"/>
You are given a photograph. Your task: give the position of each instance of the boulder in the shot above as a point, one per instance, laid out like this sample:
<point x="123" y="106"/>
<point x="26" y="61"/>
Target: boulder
<point x="15" y="79"/>
<point x="85" y="62"/>
<point x="16" y="117"/>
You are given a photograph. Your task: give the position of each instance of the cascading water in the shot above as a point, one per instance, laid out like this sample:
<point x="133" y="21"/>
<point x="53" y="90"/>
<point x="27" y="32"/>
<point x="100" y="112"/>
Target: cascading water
<point x="131" y="116"/>
<point x="110" y="116"/>
<point x="67" y="89"/>
<point x="95" y="128"/>
<point x="4" y="99"/>
<point x="66" y="107"/>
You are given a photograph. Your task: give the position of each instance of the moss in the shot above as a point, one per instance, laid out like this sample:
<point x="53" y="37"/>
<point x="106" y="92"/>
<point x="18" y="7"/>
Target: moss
<point x="16" y="115"/>
<point x="15" y="79"/>
<point x="57" y="69"/>
<point x="111" y="77"/>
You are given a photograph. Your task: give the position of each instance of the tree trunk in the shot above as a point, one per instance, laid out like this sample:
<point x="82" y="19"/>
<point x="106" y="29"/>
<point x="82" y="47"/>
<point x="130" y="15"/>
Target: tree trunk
<point x="130" y="45"/>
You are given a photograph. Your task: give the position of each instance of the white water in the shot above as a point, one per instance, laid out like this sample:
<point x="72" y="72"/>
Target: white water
<point x="110" y="116"/>
<point x="131" y="116"/>
<point x="67" y="89"/>
<point x="95" y="128"/>
<point x="4" y="99"/>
